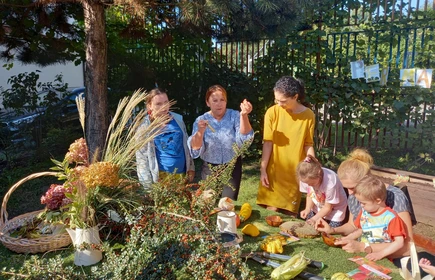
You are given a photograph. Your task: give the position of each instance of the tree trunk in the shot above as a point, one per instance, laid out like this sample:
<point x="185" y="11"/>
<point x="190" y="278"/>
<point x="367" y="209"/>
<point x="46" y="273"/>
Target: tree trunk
<point x="97" y="118"/>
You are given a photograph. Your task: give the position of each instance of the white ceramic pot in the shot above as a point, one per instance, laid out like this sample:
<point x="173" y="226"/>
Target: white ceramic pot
<point x="83" y="239"/>
<point x="226" y="221"/>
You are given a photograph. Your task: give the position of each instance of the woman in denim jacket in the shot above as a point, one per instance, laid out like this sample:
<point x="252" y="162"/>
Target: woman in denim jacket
<point x="168" y="153"/>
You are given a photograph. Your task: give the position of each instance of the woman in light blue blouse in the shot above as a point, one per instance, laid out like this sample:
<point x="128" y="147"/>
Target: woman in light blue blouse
<point x="215" y="132"/>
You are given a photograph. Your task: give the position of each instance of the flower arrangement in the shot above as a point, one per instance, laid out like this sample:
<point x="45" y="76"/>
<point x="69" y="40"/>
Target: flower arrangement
<point x="172" y="235"/>
<point x="94" y="187"/>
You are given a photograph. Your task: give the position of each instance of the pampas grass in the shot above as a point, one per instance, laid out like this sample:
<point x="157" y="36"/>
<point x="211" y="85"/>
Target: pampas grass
<point x="125" y="135"/>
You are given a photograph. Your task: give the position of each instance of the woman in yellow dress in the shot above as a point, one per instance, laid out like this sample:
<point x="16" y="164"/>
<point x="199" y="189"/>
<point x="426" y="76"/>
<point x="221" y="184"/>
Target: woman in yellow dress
<point x="287" y="140"/>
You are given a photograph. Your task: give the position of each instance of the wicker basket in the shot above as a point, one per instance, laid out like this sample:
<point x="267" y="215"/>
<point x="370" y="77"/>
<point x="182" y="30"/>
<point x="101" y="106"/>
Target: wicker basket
<point x="24" y="245"/>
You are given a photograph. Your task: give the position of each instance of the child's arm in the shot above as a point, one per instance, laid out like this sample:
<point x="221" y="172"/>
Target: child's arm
<point x="345" y="229"/>
<point x="354" y="235"/>
<point x="326" y="209"/>
<point x="406" y="218"/>
<point x="397" y="244"/>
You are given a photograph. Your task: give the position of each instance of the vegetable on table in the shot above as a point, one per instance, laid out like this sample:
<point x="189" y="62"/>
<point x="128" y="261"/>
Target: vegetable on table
<point x="251" y="230"/>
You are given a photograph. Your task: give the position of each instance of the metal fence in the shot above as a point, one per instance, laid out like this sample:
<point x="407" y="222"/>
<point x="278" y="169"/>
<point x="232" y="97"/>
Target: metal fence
<point x="329" y="51"/>
<point x="402" y="47"/>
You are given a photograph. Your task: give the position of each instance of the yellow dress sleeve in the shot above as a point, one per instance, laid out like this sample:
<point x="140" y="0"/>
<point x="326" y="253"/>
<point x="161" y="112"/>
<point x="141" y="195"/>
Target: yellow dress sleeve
<point x="268" y="129"/>
<point x="309" y="137"/>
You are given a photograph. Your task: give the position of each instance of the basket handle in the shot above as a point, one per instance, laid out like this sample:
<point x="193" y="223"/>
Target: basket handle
<point x="3" y="212"/>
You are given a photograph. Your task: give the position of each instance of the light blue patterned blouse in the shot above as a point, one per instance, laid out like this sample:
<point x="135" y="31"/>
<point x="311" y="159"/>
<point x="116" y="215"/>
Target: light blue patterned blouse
<point x="217" y="146"/>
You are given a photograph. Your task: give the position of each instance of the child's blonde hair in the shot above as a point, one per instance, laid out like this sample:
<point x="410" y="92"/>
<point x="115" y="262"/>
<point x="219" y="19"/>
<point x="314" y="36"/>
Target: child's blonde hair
<point x="310" y="168"/>
<point x="371" y="188"/>
<point x="356" y="166"/>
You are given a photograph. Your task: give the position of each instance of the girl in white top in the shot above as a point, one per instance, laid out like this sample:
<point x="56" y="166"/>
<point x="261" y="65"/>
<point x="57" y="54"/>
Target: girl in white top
<point x="326" y="197"/>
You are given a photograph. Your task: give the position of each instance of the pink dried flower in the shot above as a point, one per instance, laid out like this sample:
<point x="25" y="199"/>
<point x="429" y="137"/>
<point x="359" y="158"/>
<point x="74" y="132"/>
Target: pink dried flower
<point x="55" y="197"/>
<point x="78" y="152"/>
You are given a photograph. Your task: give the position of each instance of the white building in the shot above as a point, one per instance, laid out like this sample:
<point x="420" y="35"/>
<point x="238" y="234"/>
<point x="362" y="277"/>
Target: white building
<point x="72" y="75"/>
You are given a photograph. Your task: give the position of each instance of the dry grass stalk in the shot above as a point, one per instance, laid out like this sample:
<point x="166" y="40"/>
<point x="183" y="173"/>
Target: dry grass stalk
<point x="125" y="135"/>
<point x="80" y="101"/>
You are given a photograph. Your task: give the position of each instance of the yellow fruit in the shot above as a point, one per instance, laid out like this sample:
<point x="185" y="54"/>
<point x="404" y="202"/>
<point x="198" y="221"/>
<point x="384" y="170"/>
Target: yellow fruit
<point x="340" y="276"/>
<point x="245" y="212"/>
<point x="272" y="246"/>
<point x="251" y="230"/>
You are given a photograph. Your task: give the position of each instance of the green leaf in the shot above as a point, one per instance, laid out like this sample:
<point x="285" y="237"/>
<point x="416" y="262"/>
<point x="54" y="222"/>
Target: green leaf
<point x="398" y="105"/>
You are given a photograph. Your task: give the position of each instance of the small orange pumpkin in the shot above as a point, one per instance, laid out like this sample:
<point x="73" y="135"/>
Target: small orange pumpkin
<point x="237" y="220"/>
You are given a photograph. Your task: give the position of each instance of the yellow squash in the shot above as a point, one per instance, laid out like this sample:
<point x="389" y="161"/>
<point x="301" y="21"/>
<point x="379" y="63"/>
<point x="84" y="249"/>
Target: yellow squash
<point x="251" y="230"/>
<point x="245" y="212"/>
<point x="340" y="276"/>
<point x="272" y="246"/>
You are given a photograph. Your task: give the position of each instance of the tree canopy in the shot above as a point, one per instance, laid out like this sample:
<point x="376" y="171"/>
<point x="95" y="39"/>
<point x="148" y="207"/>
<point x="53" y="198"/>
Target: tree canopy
<point x="50" y="31"/>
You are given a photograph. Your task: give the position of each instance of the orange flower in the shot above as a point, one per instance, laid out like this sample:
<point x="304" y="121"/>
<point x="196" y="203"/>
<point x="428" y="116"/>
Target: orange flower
<point x="102" y="174"/>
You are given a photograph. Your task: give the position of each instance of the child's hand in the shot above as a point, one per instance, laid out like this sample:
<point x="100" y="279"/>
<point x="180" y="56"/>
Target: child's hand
<point x="374" y="256"/>
<point x="304" y="213"/>
<point x="311" y="222"/>
<point x="322" y="226"/>
<point x="426" y="266"/>
<point x="350" y="246"/>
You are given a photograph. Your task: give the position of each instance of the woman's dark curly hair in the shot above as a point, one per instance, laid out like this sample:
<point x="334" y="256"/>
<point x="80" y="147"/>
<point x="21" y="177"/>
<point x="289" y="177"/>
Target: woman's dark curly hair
<point x="290" y="86"/>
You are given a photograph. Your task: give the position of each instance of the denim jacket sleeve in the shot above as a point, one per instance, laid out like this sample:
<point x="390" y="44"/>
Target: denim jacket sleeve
<point x="146" y="161"/>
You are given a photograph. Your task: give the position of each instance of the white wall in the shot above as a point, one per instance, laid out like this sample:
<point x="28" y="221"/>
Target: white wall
<point x="73" y="75"/>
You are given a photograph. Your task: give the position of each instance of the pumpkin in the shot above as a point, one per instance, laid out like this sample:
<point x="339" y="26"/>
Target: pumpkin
<point x="237" y="220"/>
<point x="340" y="276"/>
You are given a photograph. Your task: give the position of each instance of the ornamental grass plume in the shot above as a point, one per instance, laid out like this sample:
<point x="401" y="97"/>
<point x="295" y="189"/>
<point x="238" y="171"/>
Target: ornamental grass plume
<point x="125" y="135"/>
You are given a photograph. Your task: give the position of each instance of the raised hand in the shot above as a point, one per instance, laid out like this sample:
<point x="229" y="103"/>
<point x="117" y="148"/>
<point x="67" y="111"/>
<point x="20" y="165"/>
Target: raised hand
<point x="245" y="107"/>
<point x="202" y="125"/>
